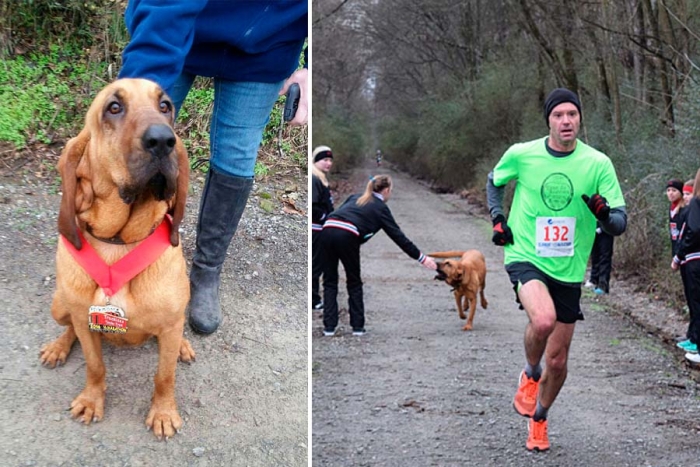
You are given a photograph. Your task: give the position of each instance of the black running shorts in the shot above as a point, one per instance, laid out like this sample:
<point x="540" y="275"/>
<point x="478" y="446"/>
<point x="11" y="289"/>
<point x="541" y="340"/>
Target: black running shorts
<point x="565" y="295"/>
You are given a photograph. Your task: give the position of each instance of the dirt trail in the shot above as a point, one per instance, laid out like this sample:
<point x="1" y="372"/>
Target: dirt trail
<point x="245" y="399"/>
<point x="417" y="390"/>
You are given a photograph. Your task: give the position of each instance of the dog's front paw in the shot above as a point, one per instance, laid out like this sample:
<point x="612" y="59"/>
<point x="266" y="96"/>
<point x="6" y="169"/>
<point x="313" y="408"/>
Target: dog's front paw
<point x="467" y="327"/>
<point x="186" y="351"/>
<point x="54" y="353"/>
<point x="163" y="419"/>
<point x="88" y="406"/>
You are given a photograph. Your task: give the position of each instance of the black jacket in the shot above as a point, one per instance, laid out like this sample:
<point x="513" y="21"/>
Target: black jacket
<point x="688" y="246"/>
<point x="675" y="222"/>
<point x="321" y="201"/>
<point x="372" y="217"/>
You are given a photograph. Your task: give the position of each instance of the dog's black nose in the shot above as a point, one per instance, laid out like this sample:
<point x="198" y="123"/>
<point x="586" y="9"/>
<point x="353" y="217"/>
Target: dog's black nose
<point x="159" y="140"/>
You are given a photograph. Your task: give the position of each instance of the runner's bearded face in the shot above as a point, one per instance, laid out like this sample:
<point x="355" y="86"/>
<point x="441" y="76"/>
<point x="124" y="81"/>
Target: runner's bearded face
<point x="564" y="124"/>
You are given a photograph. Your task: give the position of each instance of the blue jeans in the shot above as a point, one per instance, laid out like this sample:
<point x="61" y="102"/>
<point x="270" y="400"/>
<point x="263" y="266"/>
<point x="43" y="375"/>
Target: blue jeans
<point x="241" y="112"/>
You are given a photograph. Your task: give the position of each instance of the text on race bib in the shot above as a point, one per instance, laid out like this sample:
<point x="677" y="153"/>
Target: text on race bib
<point x="555" y="236"/>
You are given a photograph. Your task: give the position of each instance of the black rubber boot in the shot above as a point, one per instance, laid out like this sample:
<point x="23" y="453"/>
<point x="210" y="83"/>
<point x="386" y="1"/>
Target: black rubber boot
<point x="223" y="201"/>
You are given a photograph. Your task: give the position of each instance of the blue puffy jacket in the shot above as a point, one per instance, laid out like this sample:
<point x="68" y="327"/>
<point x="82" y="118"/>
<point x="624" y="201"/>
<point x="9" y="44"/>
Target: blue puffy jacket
<point x="238" y="40"/>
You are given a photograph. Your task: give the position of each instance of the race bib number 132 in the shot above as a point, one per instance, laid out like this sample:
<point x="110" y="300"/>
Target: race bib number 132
<point x="555" y="236"/>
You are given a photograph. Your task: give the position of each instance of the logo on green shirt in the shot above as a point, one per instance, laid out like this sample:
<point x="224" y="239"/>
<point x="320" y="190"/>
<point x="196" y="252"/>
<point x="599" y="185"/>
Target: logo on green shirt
<point x="557" y="191"/>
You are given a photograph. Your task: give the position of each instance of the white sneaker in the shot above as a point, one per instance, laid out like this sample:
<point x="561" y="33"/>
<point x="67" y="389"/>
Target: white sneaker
<point x="318" y="306"/>
<point x="329" y="333"/>
<point x="692" y="357"/>
<point x="359" y="332"/>
<point x="589" y="285"/>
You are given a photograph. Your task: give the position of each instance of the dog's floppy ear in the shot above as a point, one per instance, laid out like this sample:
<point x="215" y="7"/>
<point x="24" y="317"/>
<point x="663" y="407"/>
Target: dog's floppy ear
<point x="460" y="270"/>
<point x="183" y="179"/>
<point x="67" y="166"/>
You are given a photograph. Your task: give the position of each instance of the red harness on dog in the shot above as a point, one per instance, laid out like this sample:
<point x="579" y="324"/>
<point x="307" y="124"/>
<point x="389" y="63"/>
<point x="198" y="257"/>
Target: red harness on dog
<point x="112" y="278"/>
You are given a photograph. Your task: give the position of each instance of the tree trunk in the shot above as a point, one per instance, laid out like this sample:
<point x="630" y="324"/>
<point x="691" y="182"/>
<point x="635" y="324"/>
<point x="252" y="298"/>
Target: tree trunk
<point x="639" y="31"/>
<point x="544" y="45"/>
<point x="665" y="36"/>
<point x="611" y="75"/>
<point x="661" y="68"/>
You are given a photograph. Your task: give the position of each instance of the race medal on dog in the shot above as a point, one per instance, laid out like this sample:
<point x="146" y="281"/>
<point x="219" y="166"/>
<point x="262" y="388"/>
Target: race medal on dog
<point x="107" y="318"/>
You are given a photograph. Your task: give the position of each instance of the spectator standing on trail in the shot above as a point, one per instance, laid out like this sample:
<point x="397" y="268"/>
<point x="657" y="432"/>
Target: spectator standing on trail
<point x="345" y="230"/>
<point x="321" y="207"/>
<point x="252" y="51"/>
<point x="563" y="187"/>
<point x="674" y="193"/>
<point x="688" y="269"/>
<point x="688" y="188"/>
<point x="601" y="262"/>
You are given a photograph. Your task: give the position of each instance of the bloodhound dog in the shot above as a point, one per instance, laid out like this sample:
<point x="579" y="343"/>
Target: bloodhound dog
<point x="467" y="276"/>
<point x="124" y="182"/>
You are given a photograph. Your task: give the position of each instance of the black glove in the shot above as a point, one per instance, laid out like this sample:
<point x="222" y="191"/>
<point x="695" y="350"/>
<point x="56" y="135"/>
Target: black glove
<point x="502" y="235"/>
<point x="598" y="205"/>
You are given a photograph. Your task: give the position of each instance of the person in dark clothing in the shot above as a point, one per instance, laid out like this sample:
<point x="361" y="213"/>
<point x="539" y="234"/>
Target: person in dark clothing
<point x="674" y="193"/>
<point x="345" y="230"/>
<point x="252" y="52"/>
<point x="687" y="258"/>
<point x="601" y="261"/>
<point x="689" y="345"/>
<point x="321" y="207"/>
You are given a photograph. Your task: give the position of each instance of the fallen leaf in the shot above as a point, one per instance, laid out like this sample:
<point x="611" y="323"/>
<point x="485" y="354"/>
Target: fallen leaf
<point x="290" y="208"/>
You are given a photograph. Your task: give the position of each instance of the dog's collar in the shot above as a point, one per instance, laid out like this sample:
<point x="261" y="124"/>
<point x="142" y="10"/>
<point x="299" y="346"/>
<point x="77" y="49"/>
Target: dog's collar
<point x="113" y="277"/>
<point x="116" y="240"/>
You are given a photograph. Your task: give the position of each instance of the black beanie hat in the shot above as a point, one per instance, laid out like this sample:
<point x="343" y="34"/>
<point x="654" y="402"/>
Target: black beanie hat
<point x="322" y="152"/>
<point x="559" y="96"/>
<point x="675" y="183"/>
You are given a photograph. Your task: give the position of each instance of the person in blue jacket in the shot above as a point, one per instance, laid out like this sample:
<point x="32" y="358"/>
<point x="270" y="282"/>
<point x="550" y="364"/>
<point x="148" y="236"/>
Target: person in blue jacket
<point x="252" y="50"/>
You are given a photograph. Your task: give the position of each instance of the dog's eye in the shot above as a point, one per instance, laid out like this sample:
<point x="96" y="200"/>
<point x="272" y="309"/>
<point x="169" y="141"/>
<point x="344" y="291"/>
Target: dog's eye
<point x="114" y="108"/>
<point x="165" y="107"/>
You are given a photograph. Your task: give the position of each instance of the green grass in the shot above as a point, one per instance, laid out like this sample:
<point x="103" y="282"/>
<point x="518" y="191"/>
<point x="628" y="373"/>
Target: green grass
<point x="261" y="170"/>
<point x="39" y="99"/>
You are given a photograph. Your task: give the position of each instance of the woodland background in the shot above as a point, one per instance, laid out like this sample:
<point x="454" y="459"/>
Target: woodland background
<point x="443" y="87"/>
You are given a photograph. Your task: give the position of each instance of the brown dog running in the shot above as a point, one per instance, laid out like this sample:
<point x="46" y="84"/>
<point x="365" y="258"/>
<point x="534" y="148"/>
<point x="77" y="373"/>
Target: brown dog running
<point x="121" y="177"/>
<point x="468" y="277"/>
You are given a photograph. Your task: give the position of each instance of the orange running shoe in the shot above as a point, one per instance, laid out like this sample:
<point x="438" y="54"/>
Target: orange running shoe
<point x="525" y="400"/>
<point x="537" y="439"/>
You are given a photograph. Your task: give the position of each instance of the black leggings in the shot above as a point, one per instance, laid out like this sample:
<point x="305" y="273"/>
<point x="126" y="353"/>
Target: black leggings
<point x="601" y="261"/>
<point x="341" y="246"/>
<point x="316" y="266"/>
<point x="690" y="273"/>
